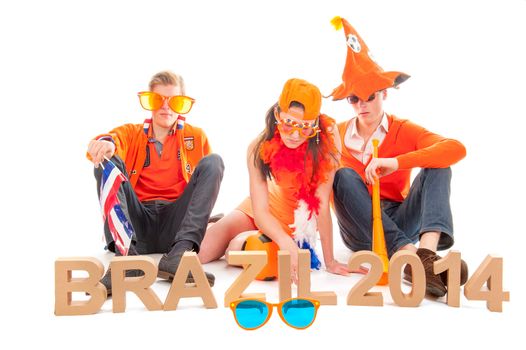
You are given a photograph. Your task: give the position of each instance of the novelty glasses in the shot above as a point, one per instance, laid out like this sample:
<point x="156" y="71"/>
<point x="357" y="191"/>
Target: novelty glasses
<point x="353" y="99"/>
<point x="305" y="129"/>
<point x="251" y="314"/>
<point x="152" y="101"/>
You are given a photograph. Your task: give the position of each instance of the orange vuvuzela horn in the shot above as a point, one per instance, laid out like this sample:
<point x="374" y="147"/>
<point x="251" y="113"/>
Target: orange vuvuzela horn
<point x="378" y="228"/>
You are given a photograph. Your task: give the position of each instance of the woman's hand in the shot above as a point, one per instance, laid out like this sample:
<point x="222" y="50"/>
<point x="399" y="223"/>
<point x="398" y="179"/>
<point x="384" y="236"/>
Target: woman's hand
<point x="342" y="269"/>
<point x="289" y="245"/>
<point x="337" y="268"/>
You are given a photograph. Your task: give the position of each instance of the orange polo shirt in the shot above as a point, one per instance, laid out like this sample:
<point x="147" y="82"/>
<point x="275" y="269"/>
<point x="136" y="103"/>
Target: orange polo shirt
<point x="162" y="179"/>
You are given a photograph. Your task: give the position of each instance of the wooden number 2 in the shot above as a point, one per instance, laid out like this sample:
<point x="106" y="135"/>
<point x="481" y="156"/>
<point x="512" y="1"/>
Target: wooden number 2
<point x="359" y="294"/>
<point x="489" y="273"/>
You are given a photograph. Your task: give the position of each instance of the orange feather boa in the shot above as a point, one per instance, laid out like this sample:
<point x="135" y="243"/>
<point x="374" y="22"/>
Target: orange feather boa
<point x="295" y="168"/>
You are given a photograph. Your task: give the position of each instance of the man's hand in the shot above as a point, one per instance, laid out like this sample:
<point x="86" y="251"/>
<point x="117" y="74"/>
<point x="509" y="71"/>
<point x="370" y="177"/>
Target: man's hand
<point x="379" y="167"/>
<point x="100" y="149"/>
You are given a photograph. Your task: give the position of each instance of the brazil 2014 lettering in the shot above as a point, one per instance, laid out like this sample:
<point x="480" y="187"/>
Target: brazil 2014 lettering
<point x="484" y="284"/>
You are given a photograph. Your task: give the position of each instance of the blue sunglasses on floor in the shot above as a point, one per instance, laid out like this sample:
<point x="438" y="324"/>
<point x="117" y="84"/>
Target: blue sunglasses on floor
<point x="251" y="314"/>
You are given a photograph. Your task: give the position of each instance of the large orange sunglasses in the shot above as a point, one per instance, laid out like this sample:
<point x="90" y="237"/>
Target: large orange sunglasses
<point x="298" y="313"/>
<point x="305" y="129"/>
<point x="152" y="101"/>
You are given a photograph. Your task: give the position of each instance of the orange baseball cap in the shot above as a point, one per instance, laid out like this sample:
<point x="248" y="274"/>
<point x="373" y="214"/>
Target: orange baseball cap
<point x="362" y="76"/>
<point x="303" y="92"/>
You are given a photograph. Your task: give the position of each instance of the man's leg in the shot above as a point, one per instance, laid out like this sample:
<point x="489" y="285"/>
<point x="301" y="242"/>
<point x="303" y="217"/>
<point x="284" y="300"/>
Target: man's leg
<point x="135" y="212"/>
<point x="184" y="222"/>
<point x="426" y="215"/>
<point x="426" y="212"/>
<point x="353" y="207"/>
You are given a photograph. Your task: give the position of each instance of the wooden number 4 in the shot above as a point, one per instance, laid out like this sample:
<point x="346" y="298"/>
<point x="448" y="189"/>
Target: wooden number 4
<point x="489" y="273"/>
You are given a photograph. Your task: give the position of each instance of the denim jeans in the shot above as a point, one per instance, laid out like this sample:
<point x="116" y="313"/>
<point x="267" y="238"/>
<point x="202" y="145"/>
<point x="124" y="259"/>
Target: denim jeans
<point x="160" y="224"/>
<point x="425" y="209"/>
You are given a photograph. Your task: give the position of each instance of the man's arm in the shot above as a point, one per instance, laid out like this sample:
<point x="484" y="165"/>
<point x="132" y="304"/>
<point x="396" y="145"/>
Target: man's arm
<point x="106" y="145"/>
<point x="430" y="150"/>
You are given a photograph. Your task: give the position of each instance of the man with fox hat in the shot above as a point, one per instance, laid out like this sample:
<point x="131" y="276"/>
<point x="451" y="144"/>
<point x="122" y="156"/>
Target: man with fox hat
<point x="411" y="213"/>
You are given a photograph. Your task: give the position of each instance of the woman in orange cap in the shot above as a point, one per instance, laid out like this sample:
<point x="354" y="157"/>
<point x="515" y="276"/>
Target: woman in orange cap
<point x="291" y="167"/>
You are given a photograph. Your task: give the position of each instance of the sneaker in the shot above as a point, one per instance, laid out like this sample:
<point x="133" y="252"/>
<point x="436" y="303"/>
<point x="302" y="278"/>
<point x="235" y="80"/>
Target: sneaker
<point x="434" y="283"/>
<point x="170" y="262"/>
<point x="215" y="218"/>
<point x="106" y="279"/>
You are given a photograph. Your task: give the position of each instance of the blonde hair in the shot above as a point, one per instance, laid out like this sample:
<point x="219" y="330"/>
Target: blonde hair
<point x="167" y="78"/>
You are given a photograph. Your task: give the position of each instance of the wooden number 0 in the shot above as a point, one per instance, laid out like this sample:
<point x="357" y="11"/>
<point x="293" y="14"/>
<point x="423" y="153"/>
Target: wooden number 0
<point x="359" y="294"/>
<point x="418" y="291"/>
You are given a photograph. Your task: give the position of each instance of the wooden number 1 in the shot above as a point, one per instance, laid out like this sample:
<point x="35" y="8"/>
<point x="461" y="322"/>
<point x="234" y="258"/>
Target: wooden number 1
<point x="490" y="273"/>
<point x="451" y="264"/>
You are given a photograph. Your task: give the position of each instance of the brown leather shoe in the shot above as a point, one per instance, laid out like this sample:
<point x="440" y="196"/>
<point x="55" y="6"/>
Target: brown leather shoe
<point x="434" y="283"/>
<point x="443" y="275"/>
<point x="463" y="274"/>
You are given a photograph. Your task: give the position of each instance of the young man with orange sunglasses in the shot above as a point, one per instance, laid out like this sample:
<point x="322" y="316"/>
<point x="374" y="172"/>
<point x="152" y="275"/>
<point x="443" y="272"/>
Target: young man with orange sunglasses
<point x="409" y="214"/>
<point x="173" y="178"/>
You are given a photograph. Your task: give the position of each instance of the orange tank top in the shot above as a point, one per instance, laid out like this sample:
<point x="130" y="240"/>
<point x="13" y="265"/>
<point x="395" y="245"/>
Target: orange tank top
<point x="281" y="203"/>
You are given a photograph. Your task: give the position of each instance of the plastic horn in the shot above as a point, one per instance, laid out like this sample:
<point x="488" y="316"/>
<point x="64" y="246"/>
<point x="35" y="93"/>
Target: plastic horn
<point x="378" y="228"/>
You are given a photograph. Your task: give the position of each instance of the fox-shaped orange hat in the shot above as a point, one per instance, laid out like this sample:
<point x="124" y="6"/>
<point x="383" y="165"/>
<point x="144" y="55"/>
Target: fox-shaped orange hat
<point x="362" y="76"/>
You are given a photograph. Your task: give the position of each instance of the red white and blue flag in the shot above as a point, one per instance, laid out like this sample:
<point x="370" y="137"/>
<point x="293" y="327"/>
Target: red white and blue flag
<point x="180" y="122"/>
<point x="120" y="226"/>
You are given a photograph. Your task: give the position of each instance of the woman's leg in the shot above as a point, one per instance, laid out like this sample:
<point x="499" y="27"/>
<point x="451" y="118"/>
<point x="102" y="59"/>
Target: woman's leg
<point x="237" y="242"/>
<point x="218" y="235"/>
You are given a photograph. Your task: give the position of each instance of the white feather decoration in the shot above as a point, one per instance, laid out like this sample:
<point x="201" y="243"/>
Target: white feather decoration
<point x="305" y="229"/>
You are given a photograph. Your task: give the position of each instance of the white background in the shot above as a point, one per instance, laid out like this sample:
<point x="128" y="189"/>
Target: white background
<point x="71" y="70"/>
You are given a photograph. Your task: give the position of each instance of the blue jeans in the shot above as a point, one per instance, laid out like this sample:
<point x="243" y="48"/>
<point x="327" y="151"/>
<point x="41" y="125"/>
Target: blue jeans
<point x="426" y="209"/>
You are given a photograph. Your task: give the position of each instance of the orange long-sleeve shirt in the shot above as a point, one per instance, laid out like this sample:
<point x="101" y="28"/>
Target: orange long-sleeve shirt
<point x="413" y="146"/>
